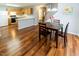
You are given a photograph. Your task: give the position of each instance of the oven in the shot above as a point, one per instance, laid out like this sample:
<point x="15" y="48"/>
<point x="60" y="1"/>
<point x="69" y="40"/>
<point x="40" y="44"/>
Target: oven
<point x="13" y="18"/>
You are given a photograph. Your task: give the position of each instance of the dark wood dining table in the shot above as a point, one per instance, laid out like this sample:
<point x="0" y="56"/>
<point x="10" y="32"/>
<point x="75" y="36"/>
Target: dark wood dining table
<point x="54" y="27"/>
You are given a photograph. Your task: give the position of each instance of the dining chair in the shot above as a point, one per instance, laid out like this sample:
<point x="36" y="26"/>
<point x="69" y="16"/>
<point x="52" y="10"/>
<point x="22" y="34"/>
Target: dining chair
<point x="44" y="31"/>
<point x="64" y="34"/>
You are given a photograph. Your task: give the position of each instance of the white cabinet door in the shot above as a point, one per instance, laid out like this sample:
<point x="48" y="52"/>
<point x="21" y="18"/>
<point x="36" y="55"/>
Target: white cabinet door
<point x="25" y="23"/>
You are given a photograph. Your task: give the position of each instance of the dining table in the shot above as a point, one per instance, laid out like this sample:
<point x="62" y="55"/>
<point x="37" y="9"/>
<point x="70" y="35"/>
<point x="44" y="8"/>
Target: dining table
<point x="54" y="27"/>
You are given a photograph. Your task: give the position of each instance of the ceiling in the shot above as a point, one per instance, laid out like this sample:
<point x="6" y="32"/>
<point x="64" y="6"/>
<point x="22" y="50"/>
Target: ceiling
<point x="21" y="4"/>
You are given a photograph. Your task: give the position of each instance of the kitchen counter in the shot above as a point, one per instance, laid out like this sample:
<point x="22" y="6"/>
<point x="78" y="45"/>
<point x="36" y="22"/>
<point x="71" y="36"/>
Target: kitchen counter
<point x="24" y="18"/>
<point x="26" y="22"/>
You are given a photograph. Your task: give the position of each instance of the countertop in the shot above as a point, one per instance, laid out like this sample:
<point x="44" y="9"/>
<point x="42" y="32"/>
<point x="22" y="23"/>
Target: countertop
<point x="25" y="18"/>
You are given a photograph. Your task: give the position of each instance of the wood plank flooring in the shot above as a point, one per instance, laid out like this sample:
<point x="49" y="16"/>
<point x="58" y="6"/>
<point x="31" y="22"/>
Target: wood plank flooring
<point x="25" y="42"/>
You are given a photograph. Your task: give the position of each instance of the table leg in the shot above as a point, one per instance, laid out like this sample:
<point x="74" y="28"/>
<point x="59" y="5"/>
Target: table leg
<point x="56" y="38"/>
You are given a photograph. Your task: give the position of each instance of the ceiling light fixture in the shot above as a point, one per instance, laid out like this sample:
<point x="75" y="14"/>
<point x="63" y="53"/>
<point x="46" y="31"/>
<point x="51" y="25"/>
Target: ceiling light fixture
<point x="54" y="9"/>
<point x="51" y="8"/>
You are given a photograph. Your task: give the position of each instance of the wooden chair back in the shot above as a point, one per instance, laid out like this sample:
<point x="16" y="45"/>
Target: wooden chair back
<point x="42" y="27"/>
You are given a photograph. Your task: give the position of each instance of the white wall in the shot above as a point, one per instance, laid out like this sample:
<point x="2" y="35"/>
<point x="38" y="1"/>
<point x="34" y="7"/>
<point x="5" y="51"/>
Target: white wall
<point x="3" y="16"/>
<point x="73" y="18"/>
<point x="35" y="14"/>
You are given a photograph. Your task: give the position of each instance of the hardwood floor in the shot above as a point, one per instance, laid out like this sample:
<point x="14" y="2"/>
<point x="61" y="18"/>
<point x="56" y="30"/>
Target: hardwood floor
<point x="25" y="42"/>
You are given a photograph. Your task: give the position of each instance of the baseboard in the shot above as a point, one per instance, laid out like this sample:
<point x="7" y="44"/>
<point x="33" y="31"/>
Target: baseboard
<point x="74" y="33"/>
<point x="3" y="26"/>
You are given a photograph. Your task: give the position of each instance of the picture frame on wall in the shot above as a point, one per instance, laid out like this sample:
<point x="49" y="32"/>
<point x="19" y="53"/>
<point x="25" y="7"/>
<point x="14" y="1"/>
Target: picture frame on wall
<point x="68" y="10"/>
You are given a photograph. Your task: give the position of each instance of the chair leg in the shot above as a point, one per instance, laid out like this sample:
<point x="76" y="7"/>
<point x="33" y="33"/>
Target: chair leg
<point x="66" y="39"/>
<point x="65" y="42"/>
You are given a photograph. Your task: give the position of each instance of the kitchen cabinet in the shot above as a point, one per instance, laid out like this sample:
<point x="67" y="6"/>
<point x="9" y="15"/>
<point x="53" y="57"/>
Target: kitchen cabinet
<point x="20" y="11"/>
<point x="28" y="11"/>
<point x="11" y="10"/>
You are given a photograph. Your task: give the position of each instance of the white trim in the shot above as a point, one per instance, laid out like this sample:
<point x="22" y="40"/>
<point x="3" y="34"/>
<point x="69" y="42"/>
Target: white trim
<point x="4" y="26"/>
<point x="74" y="33"/>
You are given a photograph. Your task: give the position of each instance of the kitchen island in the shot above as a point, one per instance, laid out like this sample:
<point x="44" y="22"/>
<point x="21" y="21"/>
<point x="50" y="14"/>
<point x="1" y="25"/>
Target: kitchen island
<point x="26" y="22"/>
